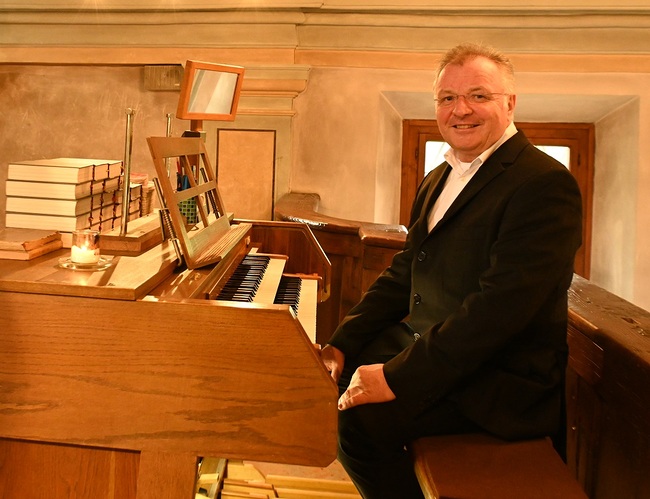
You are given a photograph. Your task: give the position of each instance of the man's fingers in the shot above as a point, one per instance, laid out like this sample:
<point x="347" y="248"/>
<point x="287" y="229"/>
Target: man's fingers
<point x="350" y="398"/>
<point x="334" y="370"/>
<point x="367" y="386"/>
<point x="333" y="359"/>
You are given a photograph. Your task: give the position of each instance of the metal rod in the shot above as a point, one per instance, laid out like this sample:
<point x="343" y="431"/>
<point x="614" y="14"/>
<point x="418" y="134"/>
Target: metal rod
<point x="126" y="192"/>
<point x="168" y="133"/>
<point x="166" y="222"/>
<point x="209" y="194"/>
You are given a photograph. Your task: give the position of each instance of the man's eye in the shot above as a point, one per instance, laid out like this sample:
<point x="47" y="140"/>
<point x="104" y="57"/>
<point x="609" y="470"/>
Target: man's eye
<point x="479" y="97"/>
<point x="448" y="99"/>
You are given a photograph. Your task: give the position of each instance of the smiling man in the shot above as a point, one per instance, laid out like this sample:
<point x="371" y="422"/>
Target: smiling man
<point x="466" y="330"/>
<point x="468" y="124"/>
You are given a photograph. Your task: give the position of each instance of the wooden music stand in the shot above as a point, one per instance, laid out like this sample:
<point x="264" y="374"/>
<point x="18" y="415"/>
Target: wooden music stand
<point x="205" y="240"/>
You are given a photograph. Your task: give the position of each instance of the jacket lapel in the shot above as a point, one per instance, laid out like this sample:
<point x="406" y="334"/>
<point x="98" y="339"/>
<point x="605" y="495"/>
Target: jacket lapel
<point x="498" y="162"/>
<point x="436" y="183"/>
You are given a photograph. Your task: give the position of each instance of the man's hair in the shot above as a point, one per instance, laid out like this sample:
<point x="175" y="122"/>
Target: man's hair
<point x="467" y="51"/>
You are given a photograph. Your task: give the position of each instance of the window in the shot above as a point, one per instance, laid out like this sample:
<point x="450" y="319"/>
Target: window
<point x="570" y="143"/>
<point x="434" y="154"/>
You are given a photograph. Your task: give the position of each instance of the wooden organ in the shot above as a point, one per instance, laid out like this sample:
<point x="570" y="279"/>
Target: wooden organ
<point x="113" y="383"/>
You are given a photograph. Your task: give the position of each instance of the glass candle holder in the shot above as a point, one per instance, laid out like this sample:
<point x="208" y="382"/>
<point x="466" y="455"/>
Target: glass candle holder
<point x="85" y="247"/>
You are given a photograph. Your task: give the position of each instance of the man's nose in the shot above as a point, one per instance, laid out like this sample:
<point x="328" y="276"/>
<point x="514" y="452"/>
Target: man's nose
<point x="461" y="107"/>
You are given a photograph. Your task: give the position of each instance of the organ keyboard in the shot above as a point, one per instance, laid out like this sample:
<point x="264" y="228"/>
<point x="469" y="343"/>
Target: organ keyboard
<point x="251" y="278"/>
<point x="300" y="293"/>
<point x="259" y="278"/>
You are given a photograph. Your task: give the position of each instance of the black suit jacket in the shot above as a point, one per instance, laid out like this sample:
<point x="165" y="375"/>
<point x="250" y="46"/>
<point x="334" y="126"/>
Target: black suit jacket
<point x="487" y="290"/>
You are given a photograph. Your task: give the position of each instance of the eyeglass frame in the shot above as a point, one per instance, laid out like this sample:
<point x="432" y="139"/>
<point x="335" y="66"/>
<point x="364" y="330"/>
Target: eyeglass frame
<point x="468" y="98"/>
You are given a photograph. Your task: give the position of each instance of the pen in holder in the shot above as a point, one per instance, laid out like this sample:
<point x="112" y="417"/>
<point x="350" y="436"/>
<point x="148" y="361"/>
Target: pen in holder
<point x="188" y="207"/>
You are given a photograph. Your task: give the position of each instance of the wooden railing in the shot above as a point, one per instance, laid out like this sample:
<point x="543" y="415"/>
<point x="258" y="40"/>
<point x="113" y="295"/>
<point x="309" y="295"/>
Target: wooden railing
<point x="608" y="393"/>
<point x="608" y="377"/>
<point x="358" y="252"/>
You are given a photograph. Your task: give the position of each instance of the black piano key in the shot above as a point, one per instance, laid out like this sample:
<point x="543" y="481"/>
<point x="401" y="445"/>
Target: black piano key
<point x="245" y="280"/>
<point x="288" y="292"/>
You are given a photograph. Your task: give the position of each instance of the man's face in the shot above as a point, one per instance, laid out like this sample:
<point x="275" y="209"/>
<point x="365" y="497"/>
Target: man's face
<point x="470" y="125"/>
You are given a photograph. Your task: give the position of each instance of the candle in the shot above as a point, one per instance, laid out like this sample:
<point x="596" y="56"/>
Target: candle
<point x="84" y="254"/>
<point x="85" y="247"/>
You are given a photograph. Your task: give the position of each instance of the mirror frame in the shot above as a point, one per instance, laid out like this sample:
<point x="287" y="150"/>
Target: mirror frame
<point x="189" y="78"/>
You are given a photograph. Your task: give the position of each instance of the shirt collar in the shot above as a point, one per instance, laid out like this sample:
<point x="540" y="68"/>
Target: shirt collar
<point x="461" y="168"/>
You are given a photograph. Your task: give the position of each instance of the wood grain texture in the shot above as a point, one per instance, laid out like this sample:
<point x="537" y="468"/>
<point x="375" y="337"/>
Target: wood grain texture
<point x="52" y="471"/>
<point x="167" y="377"/>
<point x="479" y="466"/>
<point x="608" y="402"/>
<point x="164" y="475"/>
<point x="129" y="277"/>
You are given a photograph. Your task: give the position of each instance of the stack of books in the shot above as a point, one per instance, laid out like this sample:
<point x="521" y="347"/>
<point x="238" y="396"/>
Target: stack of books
<point x="67" y="194"/>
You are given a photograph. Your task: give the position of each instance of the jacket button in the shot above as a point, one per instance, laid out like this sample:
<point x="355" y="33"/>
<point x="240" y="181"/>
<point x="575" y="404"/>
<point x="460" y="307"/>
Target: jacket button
<point x="417" y="299"/>
<point x="422" y="256"/>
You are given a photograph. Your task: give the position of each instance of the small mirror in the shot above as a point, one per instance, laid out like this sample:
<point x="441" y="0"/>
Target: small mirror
<point x="210" y="91"/>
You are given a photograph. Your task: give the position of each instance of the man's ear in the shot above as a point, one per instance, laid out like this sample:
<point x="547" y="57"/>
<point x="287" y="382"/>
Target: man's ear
<point x="512" y="101"/>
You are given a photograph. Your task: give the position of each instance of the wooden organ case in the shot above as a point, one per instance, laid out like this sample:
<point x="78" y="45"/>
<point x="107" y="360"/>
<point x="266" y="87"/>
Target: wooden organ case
<point x="114" y="383"/>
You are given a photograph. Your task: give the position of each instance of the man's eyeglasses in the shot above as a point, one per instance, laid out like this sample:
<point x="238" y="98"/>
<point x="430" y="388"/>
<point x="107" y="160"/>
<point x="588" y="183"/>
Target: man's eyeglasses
<point x="470" y="99"/>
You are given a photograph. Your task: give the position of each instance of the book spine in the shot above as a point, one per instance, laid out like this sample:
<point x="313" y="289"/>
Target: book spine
<point x="51" y="190"/>
<point x="59" y="172"/>
<point x="62" y="207"/>
<point x="57" y="222"/>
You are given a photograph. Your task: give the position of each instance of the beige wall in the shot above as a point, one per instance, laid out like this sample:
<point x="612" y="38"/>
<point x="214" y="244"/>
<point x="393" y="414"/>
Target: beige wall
<point x="77" y="111"/>
<point x="616" y="200"/>
<point x="339" y="135"/>
<point x="334" y="79"/>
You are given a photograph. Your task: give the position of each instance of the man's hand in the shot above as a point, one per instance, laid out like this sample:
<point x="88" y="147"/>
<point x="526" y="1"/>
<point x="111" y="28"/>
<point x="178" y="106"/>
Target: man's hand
<point x="334" y="360"/>
<point x="368" y="386"/>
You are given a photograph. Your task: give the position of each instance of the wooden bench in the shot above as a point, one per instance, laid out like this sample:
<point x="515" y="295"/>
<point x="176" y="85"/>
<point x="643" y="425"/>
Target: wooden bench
<point x="479" y="466"/>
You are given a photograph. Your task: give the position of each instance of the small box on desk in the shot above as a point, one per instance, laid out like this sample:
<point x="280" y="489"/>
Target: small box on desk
<point x="143" y="234"/>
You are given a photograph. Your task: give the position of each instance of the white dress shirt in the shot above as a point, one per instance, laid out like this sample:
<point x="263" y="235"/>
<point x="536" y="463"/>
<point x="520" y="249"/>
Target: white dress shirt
<point x="460" y="175"/>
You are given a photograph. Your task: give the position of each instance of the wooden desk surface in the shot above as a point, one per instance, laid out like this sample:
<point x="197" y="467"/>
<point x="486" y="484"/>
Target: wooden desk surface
<point x="128" y="278"/>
